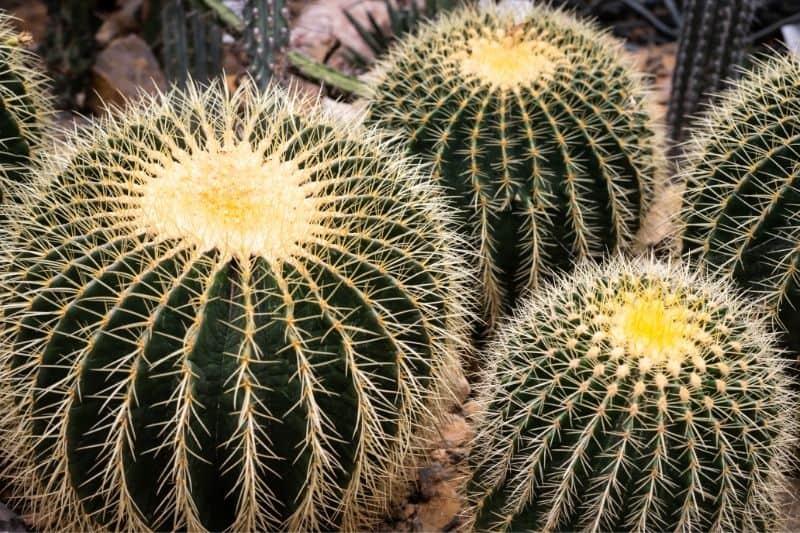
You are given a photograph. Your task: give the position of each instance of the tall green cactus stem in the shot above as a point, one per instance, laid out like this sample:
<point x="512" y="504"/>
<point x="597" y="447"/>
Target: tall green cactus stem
<point x="25" y="107"/>
<point x="633" y="396"/>
<point x="224" y="312"/>
<point x="191" y="43"/>
<point x="742" y="208"/>
<point x="266" y="38"/>
<point x="537" y="128"/>
<point x="712" y="47"/>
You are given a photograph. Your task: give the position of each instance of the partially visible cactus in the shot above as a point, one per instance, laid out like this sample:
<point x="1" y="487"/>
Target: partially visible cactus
<point x="742" y="209"/>
<point x="634" y="396"/>
<point x="191" y="43"/>
<point x="24" y="105"/>
<point x="71" y="46"/>
<point x="537" y="127"/>
<point x="224" y="312"/>
<point x="713" y="41"/>
<point x="266" y="38"/>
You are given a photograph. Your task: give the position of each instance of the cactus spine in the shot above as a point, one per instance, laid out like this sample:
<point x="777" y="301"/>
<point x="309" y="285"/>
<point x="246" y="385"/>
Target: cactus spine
<point x="712" y="46"/>
<point x="741" y="208"/>
<point x="24" y="105"/>
<point x="224" y="312"/>
<point x="538" y="130"/>
<point x="633" y="396"/>
<point x="266" y="38"/>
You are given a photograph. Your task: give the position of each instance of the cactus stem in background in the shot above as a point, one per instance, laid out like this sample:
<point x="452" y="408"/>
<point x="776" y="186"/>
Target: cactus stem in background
<point x="712" y="46"/>
<point x="266" y="39"/>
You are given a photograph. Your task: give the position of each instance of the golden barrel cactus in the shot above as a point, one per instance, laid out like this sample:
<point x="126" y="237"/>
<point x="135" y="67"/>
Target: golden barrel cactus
<point x="536" y="126"/>
<point x="634" y="396"/>
<point x="224" y="312"/>
<point x="25" y="106"/>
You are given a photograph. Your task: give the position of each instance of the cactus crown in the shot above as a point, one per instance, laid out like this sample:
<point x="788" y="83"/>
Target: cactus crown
<point x="633" y="396"/>
<point x="25" y="107"/>
<point x="227" y="197"/>
<point x="224" y="311"/>
<point x="509" y="58"/>
<point x="537" y="127"/>
<point x="741" y="209"/>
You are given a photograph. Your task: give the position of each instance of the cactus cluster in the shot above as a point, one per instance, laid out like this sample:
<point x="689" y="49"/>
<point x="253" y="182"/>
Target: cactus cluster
<point x="236" y="312"/>
<point x="712" y="47"/>
<point x="536" y="127"/>
<point x="224" y="312"/>
<point x="742" y="209"/>
<point x="633" y="396"/>
<point x="24" y="105"/>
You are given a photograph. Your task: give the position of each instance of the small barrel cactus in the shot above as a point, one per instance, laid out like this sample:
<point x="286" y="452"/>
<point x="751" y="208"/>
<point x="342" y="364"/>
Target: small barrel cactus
<point x="224" y="312"/>
<point x="633" y="396"/>
<point x="742" y="209"/>
<point x="537" y="128"/>
<point x="24" y="105"/>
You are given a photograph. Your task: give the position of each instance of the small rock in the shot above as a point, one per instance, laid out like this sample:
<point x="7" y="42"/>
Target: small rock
<point x="462" y="389"/>
<point x="429" y="479"/>
<point x="31" y="16"/>
<point x="9" y="521"/>
<point x="471" y="408"/>
<point x="440" y="512"/>
<point x="124" y="69"/>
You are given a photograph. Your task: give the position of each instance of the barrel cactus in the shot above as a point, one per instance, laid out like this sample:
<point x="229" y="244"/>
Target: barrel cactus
<point x="537" y="128"/>
<point x="24" y="104"/>
<point x="741" y="210"/>
<point x="224" y="312"/>
<point x="633" y="396"/>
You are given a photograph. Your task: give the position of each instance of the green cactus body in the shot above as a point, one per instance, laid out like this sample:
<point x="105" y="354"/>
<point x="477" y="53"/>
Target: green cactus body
<point x="536" y="127"/>
<point x="741" y="210"/>
<point x="633" y="396"/>
<point x="24" y="106"/>
<point x="224" y="312"/>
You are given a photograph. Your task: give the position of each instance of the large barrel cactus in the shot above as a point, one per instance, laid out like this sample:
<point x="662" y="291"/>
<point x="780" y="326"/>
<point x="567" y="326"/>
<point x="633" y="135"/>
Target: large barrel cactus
<point x="633" y="397"/>
<point x="537" y="128"/>
<point x="224" y="312"/>
<point x="24" y="104"/>
<point x="742" y="209"/>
